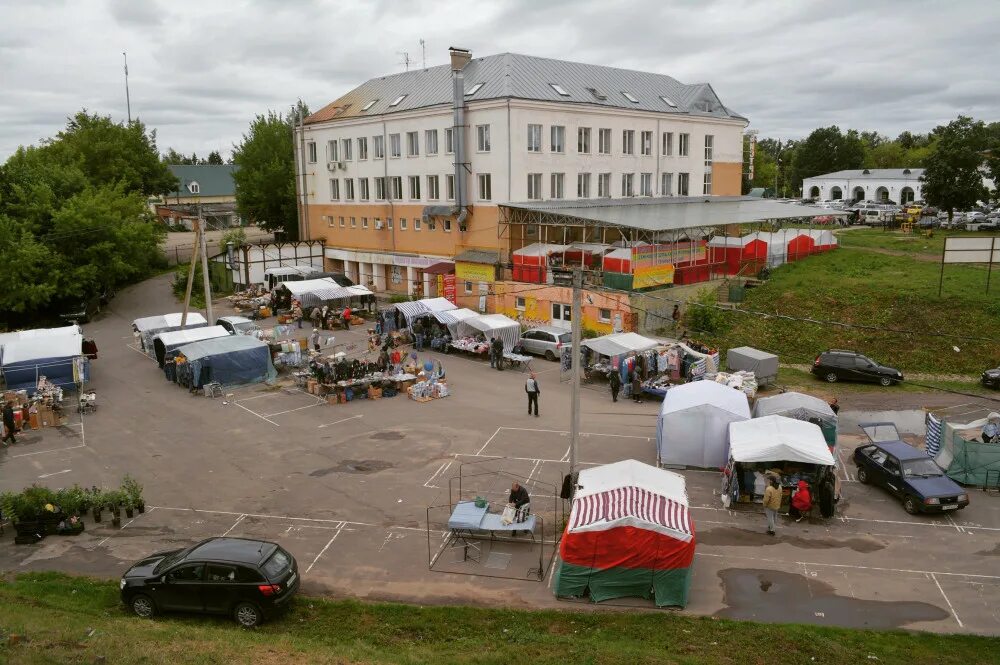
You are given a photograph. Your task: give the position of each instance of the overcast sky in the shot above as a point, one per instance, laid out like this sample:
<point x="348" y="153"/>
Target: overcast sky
<point x="199" y="71"/>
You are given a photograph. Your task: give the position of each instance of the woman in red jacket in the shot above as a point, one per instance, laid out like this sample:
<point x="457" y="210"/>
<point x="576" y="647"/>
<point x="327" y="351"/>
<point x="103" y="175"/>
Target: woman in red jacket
<point x="801" y="502"/>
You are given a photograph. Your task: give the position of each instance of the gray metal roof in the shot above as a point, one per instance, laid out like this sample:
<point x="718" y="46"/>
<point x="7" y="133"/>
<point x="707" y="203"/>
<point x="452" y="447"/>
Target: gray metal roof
<point x="486" y="256"/>
<point x="674" y="212"/>
<point x="515" y="76"/>
<point x="212" y="179"/>
<point x="874" y="174"/>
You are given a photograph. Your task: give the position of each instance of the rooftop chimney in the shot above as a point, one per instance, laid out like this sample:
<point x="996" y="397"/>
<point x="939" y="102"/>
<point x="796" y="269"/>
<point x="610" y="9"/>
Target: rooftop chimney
<point x="459" y="58"/>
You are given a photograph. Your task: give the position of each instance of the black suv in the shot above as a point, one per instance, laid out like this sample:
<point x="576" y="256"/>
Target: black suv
<point x="246" y="579"/>
<point x="991" y="378"/>
<point x="838" y="365"/>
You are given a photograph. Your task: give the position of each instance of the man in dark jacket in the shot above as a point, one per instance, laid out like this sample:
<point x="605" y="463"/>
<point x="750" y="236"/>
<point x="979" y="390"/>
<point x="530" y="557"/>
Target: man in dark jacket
<point x="498" y="352"/>
<point x="8" y="423"/>
<point x="636" y="386"/>
<point x="615" y="381"/>
<point x="531" y="387"/>
<point x="522" y="503"/>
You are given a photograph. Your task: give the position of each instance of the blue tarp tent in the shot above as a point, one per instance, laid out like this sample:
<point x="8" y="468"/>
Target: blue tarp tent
<point x="53" y="353"/>
<point x="228" y="360"/>
<point x="166" y="343"/>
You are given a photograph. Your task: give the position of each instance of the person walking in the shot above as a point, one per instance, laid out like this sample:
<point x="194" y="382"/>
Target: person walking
<point x="297" y="312"/>
<point x="498" y="353"/>
<point x="615" y="381"/>
<point x="675" y="316"/>
<point x="772" y="502"/>
<point x="636" y="387"/>
<point x="531" y="387"/>
<point x="314" y="339"/>
<point x="8" y="423"/>
<point x="315" y="316"/>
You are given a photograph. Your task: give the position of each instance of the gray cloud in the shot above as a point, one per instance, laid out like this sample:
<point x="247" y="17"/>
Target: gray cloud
<point x="199" y="71"/>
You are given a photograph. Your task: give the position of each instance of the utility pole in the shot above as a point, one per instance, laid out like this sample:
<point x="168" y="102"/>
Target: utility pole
<point x="128" y="103"/>
<point x="190" y="282"/>
<point x="204" y="267"/>
<point x="301" y="183"/>
<point x="574" y="427"/>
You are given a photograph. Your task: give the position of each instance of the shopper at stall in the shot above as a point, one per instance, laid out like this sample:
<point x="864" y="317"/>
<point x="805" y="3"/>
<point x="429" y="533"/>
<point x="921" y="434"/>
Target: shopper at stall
<point x="8" y="423"/>
<point x="315" y="316"/>
<point x="497" y="351"/>
<point x="297" y="312"/>
<point x="636" y="387"/>
<point x="615" y="381"/>
<point x="314" y="339"/>
<point x="772" y="502"/>
<point x="346" y="316"/>
<point x="835" y="406"/>
<point x="492" y="353"/>
<point x="519" y="498"/>
<point x="531" y="387"/>
<point x="418" y="334"/>
<point x="801" y="501"/>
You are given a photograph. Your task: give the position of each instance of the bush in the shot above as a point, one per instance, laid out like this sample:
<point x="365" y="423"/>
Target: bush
<point x="702" y="314"/>
<point x="180" y="284"/>
<point x="396" y="297"/>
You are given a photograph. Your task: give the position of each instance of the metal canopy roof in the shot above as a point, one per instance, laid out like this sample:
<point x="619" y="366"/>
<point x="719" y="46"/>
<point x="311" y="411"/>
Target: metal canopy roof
<point x="661" y="214"/>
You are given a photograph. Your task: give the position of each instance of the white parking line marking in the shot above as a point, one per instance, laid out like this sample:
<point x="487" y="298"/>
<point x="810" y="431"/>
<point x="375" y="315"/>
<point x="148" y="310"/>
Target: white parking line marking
<point x="848" y="566"/>
<point x="105" y="539"/>
<point x="943" y="595"/>
<point x="488" y="441"/>
<point x="281" y="413"/>
<point x="342" y="420"/>
<point x="325" y="548"/>
<point x="441" y="469"/>
<point x="256" y="414"/>
<point x="54" y="450"/>
<point x="235" y="524"/>
<point x="54" y="473"/>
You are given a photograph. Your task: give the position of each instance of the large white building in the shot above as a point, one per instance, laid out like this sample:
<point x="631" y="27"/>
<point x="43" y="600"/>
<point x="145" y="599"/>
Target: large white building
<point x="407" y="170"/>
<point x="898" y="185"/>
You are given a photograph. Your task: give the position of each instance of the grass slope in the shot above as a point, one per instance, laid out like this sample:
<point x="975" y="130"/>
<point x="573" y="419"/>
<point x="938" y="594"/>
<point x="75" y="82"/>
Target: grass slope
<point x="861" y="287"/>
<point x="56" y="613"/>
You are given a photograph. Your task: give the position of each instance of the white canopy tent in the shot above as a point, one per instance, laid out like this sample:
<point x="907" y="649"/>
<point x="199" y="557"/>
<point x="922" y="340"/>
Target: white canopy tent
<point x="171" y="321"/>
<point x="453" y="317"/>
<point x="64" y="345"/>
<point x="693" y="426"/>
<point x="325" y="289"/>
<point x="619" y="344"/>
<point x="17" y="336"/>
<point x="412" y="310"/>
<point x="438" y="304"/>
<point x="492" y="325"/>
<point x="777" y="438"/>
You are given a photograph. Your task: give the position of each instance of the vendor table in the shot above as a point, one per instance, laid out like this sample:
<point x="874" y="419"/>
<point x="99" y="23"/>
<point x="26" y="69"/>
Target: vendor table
<point x="517" y="360"/>
<point x="467" y="518"/>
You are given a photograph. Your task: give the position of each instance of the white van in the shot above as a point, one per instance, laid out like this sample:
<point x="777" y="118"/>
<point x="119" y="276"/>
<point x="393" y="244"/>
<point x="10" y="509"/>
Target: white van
<point x="296" y="273"/>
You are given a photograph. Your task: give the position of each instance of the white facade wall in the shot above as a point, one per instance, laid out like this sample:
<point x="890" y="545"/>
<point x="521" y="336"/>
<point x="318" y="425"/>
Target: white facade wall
<point x="871" y="186"/>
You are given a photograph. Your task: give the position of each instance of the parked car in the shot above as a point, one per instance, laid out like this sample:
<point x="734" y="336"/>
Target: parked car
<point x="929" y="223"/>
<point x="246" y="579"/>
<point x="80" y="311"/>
<point x="238" y="325"/>
<point x="991" y="378"/>
<point x="909" y="475"/>
<point x="545" y="341"/>
<point x="839" y="365"/>
<point x="975" y="216"/>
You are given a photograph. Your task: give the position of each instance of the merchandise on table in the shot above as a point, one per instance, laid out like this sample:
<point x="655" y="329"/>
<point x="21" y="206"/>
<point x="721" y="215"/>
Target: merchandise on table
<point x="740" y="380"/>
<point x="471" y="345"/>
<point x="424" y="391"/>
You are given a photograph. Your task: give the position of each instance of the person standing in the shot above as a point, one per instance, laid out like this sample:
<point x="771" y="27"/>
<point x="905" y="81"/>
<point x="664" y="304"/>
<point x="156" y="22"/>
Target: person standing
<point x="801" y="501"/>
<point x="297" y="312"/>
<point x="314" y="339"/>
<point x="675" y="316"/>
<point x="8" y="423"/>
<point x="772" y="502"/>
<point x="531" y="387"/>
<point x="497" y="346"/>
<point x="418" y="334"/>
<point x="615" y="381"/>
<point x="347" y="318"/>
<point x="315" y="316"/>
<point x="835" y="406"/>
<point x="636" y="386"/>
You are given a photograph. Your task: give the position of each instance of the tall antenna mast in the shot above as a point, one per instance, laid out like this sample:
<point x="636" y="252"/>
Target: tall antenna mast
<point x="128" y="103"/>
<point x="406" y="59"/>
<point x="423" y="52"/>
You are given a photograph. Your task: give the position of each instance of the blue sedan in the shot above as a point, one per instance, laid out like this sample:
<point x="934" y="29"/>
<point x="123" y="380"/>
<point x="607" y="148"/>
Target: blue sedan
<point x="910" y="475"/>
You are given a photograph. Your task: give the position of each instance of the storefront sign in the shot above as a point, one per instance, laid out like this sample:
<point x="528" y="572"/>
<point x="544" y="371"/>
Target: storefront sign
<point x="475" y="272"/>
<point x="647" y="256"/>
<point x="383" y="259"/>
<point x="643" y="278"/>
<point x="446" y="288"/>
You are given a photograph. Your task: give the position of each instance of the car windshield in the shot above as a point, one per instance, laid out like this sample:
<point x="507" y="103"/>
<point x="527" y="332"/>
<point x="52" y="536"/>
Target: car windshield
<point x="921" y="467"/>
<point x="277" y="563"/>
<point x="246" y="326"/>
<point x="566" y="338"/>
<point x="170" y="560"/>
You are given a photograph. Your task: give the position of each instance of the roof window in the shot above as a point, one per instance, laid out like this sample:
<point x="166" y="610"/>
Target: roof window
<point x="668" y="102"/>
<point x="369" y="105"/>
<point x="558" y="88"/>
<point x="597" y="94"/>
<point x="629" y="96"/>
<point x="396" y="101"/>
<point x="473" y="90"/>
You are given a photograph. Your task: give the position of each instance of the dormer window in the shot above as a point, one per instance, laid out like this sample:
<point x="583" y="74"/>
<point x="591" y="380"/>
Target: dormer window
<point x="558" y="88"/>
<point x="473" y="90"/>
<point x="668" y="102"/>
<point x="597" y="94"/>
<point x="369" y="105"/>
<point x="194" y="187"/>
<point x="629" y="96"/>
<point x="396" y="101"/>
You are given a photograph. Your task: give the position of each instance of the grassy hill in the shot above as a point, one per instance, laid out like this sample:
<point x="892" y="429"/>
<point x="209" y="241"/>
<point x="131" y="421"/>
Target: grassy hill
<point x="858" y="286"/>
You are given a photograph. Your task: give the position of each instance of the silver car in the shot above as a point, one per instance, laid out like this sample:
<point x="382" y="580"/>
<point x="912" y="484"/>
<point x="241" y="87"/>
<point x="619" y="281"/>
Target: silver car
<point x="545" y="341"/>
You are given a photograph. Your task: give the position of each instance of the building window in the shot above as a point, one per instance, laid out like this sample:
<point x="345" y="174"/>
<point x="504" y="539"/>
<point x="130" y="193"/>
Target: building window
<point x="604" y="315"/>
<point x="534" y="138"/>
<point x="647" y="143"/>
<point x="558" y="138"/>
<point x="433" y="188"/>
<point x="583" y="140"/>
<point x="449" y="140"/>
<point x="412" y="144"/>
<point x="683" y="140"/>
<point x="706" y="187"/>
<point x="362" y="148"/>
<point x="474" y="89"/>
<point x="485" y="187"/>
<point x="345" y="148"/>
<point x="583" y="185"/>
<point x="534" y="186"/>
<point x="396" y="101"/>
<point x="431" y="141"/>
<point x="519" y="303"/>
<point x="628" y="184"/>
<point x="416" y="223"/>
<point x="380" y="189"/>
<point x="667" y="184"/>
<point x="335" y="190"/>
<point x="668" y="144"/>
<point x="483" y="138"/>
<point x="604" y="141"/>
<point x="468" y="288"/>
<point x="348" y="189"/>
<point x="629" y="96"/>
<point x="394" y="149"/>
<point x="354" y="222"/>
<point x="378" y="224"/>
<point x="628" y="141"/>
<point x="709" y="147"/>
<point x="604" y="185"/>
<point x="341" y="222"/>
<point x="311" y="152"/>
<point x="682" y="183"/>
<point x="449" y="186"/>
<point x="646" y="184"/>
<point x="447" y="225"/>
<point x="414" y="187"/>
<point x="363" y="189"/>
<point x="402" y="223"/>
<point x="333" y="151"/>
<point x="330" y="222"/>
<point x="388" y="223"/>
<point x="378" y="147"/>
<point x="364" y="222"/>
<point x="558" y="183"/>
<point x="396" y="185"/>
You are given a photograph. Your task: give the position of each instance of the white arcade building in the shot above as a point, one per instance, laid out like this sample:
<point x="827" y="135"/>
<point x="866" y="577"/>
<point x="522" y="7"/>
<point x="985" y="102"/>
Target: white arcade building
<point x="898" y="185"/>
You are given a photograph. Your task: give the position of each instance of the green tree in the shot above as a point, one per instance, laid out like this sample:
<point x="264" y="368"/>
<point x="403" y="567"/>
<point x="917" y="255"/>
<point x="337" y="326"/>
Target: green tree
<point x="952" y="179"/>
<point x="214" y="158"/>
<point x="826" y="150"/>
<point x="265" y="180"/>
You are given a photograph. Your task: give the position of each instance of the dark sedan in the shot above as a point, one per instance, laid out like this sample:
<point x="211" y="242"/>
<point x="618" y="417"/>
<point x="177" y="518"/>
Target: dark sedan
<point x="910" y="475"/>
<point x="246" y="579"/>
<point x="991" y="378"/>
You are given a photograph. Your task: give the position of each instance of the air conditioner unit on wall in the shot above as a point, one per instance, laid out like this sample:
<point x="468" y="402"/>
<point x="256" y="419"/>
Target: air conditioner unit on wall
<point x="331" y="166"/>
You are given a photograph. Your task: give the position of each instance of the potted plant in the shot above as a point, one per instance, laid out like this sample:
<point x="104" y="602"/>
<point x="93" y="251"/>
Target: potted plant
<point x="113" y="500"/>
<point x="95" y="498"/>
<point x="7" y="502"/>
<point x="134" y="491"/>
<point x="72" y="500"/>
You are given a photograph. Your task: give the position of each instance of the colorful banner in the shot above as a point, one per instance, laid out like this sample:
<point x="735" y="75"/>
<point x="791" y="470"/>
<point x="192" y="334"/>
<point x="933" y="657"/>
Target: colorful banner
<point x="643" y="278"/>
<point x="475" y="272"/>
<point x="647" y="256"/>
<point x="446" y="288"/>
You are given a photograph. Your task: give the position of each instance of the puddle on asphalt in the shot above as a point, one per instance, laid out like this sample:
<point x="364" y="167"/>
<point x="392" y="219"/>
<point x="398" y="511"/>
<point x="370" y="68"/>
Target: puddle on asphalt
<point x="778" y="597"/>
<point x="353" y="466"/>
<point x="732" y="537"/>
<point x="908" y="421"/>
<point x="388" y="436"/>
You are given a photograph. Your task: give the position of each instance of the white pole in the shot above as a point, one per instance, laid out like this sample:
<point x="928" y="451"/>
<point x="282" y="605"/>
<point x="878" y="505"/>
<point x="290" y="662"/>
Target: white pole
<point x="575" y="406"/>
<point x="204" y="269"/>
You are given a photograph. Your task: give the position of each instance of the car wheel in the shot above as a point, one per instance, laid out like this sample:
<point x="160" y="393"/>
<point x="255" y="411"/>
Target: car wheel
<point x="143" y="606"/>
<point x="550" y="356"/>
<point x="910" y="505"/>
<point x="247" y="615"/>
<point x="831" y="377"/>
<point x="885" y="381"/>
<point x="863" y="475"/>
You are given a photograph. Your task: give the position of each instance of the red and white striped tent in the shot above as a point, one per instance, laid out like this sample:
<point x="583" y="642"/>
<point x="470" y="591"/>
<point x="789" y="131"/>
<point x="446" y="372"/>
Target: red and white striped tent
<point x="629" y="534"/>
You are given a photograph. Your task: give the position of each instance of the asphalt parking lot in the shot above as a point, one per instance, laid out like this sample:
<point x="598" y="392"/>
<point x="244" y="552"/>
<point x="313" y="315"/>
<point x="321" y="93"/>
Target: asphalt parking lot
<point x="346" y="489"/>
